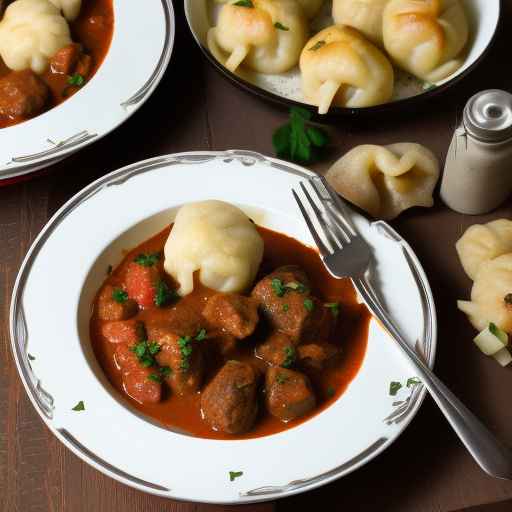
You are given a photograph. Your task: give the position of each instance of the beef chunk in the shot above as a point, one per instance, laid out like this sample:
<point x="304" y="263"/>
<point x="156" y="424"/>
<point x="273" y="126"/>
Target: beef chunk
<point x="22" y="93"/>
<point x="277" y="350"/>
<point x="234" y="314"/>
<point x="229" y="402"/>
<point x="285" y="301"/>
<point x="317" y="355"/>
<point x="136" y="379"/>
<point x="111" y="309"/>
<point x="123" y="331"/>
<point x="66" y="59"/>
<point x="288" y="394"/>
<point x="142" y="283"/>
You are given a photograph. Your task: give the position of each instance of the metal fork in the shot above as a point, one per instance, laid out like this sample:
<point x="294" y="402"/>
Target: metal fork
<point x="346" y="254"/>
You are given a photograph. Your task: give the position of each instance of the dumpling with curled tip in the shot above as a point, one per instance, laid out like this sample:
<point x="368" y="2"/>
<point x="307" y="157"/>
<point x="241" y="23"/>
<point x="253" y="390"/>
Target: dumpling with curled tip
<point x="426" y="37"/>
<point x="266" y="36"/>
<point x="364" y="15"/>
<point x="340" y="67"/>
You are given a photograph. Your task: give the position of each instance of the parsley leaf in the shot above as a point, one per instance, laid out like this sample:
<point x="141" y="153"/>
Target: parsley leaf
<point x="76" y="79"/>
<point x="278" y="287"/>
<point x="155" y="377"/>
<point x="334" y="307"/>
<point x="79" y="406"/>
<point x="186" y="351"/>
<point x="286" y="307"/>
<point x="244" y="3"/>
<point x="289" y="352"/>
<point x="235" y="474"/>
<point x="165" y="371"/>
<point x="147" y="260"/>
<point x="394" y="387"/>
<point x="413" y="381"/>
<point x="201" y="335"/>
<point x="119" y="295"/>
<point x="31" y="357"/>
<point x="164" y="294"/>
<point x="280" y="26"/>
<point x="281" y="379"/>
<point x="145" y="352"/>
<point x="309" y="304"/>
<point x="317" y="46"/>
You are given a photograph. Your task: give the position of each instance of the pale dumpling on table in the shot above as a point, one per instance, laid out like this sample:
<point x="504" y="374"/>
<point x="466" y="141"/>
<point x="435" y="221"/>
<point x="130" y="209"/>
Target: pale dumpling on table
<point x="70" y="8"/>
<point x="426" y="37"/>
<point x="491" y="295"/>
<point x="364" y="15"/>
<point x="484" y="242"/>
<point x="267" y="37"/>
<point x="31" y="32"/>
<point x="340" y="67"/>
<point x="385" y="180"/>
<point x="218" y="240"/>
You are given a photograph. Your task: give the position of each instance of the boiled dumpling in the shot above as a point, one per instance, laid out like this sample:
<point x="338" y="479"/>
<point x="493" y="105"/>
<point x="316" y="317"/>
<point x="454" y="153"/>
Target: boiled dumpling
<point x="31" y="32"/>
<point x="311" y="7"/>
<point x="385" y="180"/>
<point x="266" y="36"/>
<point x="218" y="240"/>
<point x="70" y="8"/>
<point x="339" y="66"/>
<point x="491" y="295"/>
<point x="365" y="15"/>
<point x="426" y="37"/>
<point x="484" y="242"/>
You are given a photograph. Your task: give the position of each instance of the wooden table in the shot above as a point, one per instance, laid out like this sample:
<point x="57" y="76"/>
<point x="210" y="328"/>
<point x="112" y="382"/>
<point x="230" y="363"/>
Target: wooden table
<point x="194" y="108"/>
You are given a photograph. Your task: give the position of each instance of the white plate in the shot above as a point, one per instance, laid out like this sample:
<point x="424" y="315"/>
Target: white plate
<point x="134" y="65"/>
<point x="67" y="263"/>
<point x="483" y="16"/>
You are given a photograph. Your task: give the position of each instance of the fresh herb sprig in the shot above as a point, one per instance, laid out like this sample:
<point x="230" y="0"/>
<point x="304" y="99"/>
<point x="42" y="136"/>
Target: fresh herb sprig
<point x="290" y="356"/>
<point x="164" y="294"/>
<point x="146" y="352"/>
<point x="147" y="260"/>
<point x="297" y="140"/>
<point x="244" y="3"/>
<point x="119" y="295"/>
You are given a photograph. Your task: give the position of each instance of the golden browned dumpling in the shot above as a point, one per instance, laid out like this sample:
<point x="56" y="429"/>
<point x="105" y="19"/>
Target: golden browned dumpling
<point x="267" y="36"/>
<point x="365" y="15"/>
<point x="426" y="37"/>
<point x="340" y="67"/>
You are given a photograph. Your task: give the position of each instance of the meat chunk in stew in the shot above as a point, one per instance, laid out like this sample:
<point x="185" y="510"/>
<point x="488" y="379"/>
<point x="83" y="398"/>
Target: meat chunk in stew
<point x="229" y="403"/>
<point x="317" y="355"/>
<point x="289" y="394"/>
<point x="65" y="60"/>
<point x="285" y="301"/>
<point x="22" y="94"/>
<point x="137" y="380"/>
<point x="113" y="304"/>
<point x="234" y="314"/>
<point x="142" y="283"/>
<point x="278" y="349"/>
<point x="123" y="331"/>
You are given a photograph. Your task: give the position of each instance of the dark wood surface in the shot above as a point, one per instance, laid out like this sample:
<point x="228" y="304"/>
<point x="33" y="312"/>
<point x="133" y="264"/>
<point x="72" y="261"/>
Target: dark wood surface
<point x="194" y="108"/>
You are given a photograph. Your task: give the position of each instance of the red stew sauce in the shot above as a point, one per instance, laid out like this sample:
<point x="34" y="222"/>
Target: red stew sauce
<point x="183" y="413"/>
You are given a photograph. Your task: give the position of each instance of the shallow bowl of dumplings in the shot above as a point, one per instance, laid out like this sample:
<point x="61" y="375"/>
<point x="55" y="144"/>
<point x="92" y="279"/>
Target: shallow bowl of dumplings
<point x="344" y="56"/>
<point x="132" y="67"/>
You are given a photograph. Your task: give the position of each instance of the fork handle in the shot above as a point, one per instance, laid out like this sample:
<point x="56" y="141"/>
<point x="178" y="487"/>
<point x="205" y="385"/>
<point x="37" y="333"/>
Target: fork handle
<point x="492" y="456"/>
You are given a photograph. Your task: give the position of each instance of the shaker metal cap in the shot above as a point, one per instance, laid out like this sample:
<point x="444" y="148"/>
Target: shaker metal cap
<point x="488" y="115"/>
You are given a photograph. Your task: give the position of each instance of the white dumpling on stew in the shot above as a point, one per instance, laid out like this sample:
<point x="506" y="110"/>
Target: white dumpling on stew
<point x="266" y="36"/>
<point x="70" y="8"/>
<point x="31" y="32"/>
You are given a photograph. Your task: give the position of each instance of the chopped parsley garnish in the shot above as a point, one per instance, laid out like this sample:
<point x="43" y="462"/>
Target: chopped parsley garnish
<point x="280" y="26"/>
<point x="244" y="3"/>
<point x="163" y="373"/>
<point x="109" y="269"/>
<point x="31" y="357"/>
<point x="147" y="260"/>
<point x="317" y="46"/>
<point x="278" y="287"/>
<point x="185" y="344"/>
<point x="146" y="352"/>
<point x="309" y="304"/>
<point x="394" y="387"/>
<point x="164" y="294"/>
<point x="201" y="335"/>
<point x="79" y="406"/>
<point x="119" y="295"/>
<point x="297" y="140"/>
<point x="281" y="379"/>
<point x="330" y="391"/>
<point x="235" y="474"/>
<point x="155" y="377"/>
<point x="76" y="79"/>
<point x="413" y="381"/>
<point x="508" y="299"/>
<point x="334" y="307"/>
<point x="289" y="352"/>
<point x="286" y="307"/>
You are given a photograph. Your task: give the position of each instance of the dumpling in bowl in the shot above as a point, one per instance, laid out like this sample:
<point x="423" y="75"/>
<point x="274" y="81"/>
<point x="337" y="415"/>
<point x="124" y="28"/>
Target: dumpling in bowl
<point x="484" y="242"/>
<point x="218" y="240"/>
<point x="365" y="15"/>
<point x="385" y="180"/>
<point x="340" y="67"/>
<point x="491" y="295"/>
<point x="70" y="8"/>
<point x="266" y="36"/>
<point x="426" y="37"/>
<point x="31" y="32"/>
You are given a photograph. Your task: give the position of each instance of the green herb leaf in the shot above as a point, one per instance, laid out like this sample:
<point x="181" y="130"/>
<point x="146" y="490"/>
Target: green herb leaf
<point x="309" y="304"/>
<point x="165" y="371"/>
<point x="277" y="286"/>
<point x="281" y="140"/>
<point x="317" y="46"/>
<point x="334" y="307"/>
<point x="147" y="260"/>
<point x="281" y="379"/>
<point x="79" y="406"/>
<point x="280" y="26"/>
<point x="330" y="391"/>
<point x="76" y="79"/>
<point x="244" y="3"/>
<point x="155" y="377"/>
<point x="201" y="335"/>
<point x="164" y="294"/>
<point x="300" y="113"/>
<point x="413" y="381"/>
<point x="317" y="136"/>
<point x="145" y="352"/>
<point x="153" y="348"/>
<point x="394" y="387"/>
<point x="31" y="357"/>
<point x="286" y="307"/>
<point x="119" y="295"/>
<point x="235" y="474"/>
<point x="186" y="351"/>
<point x="289" y="352"/>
